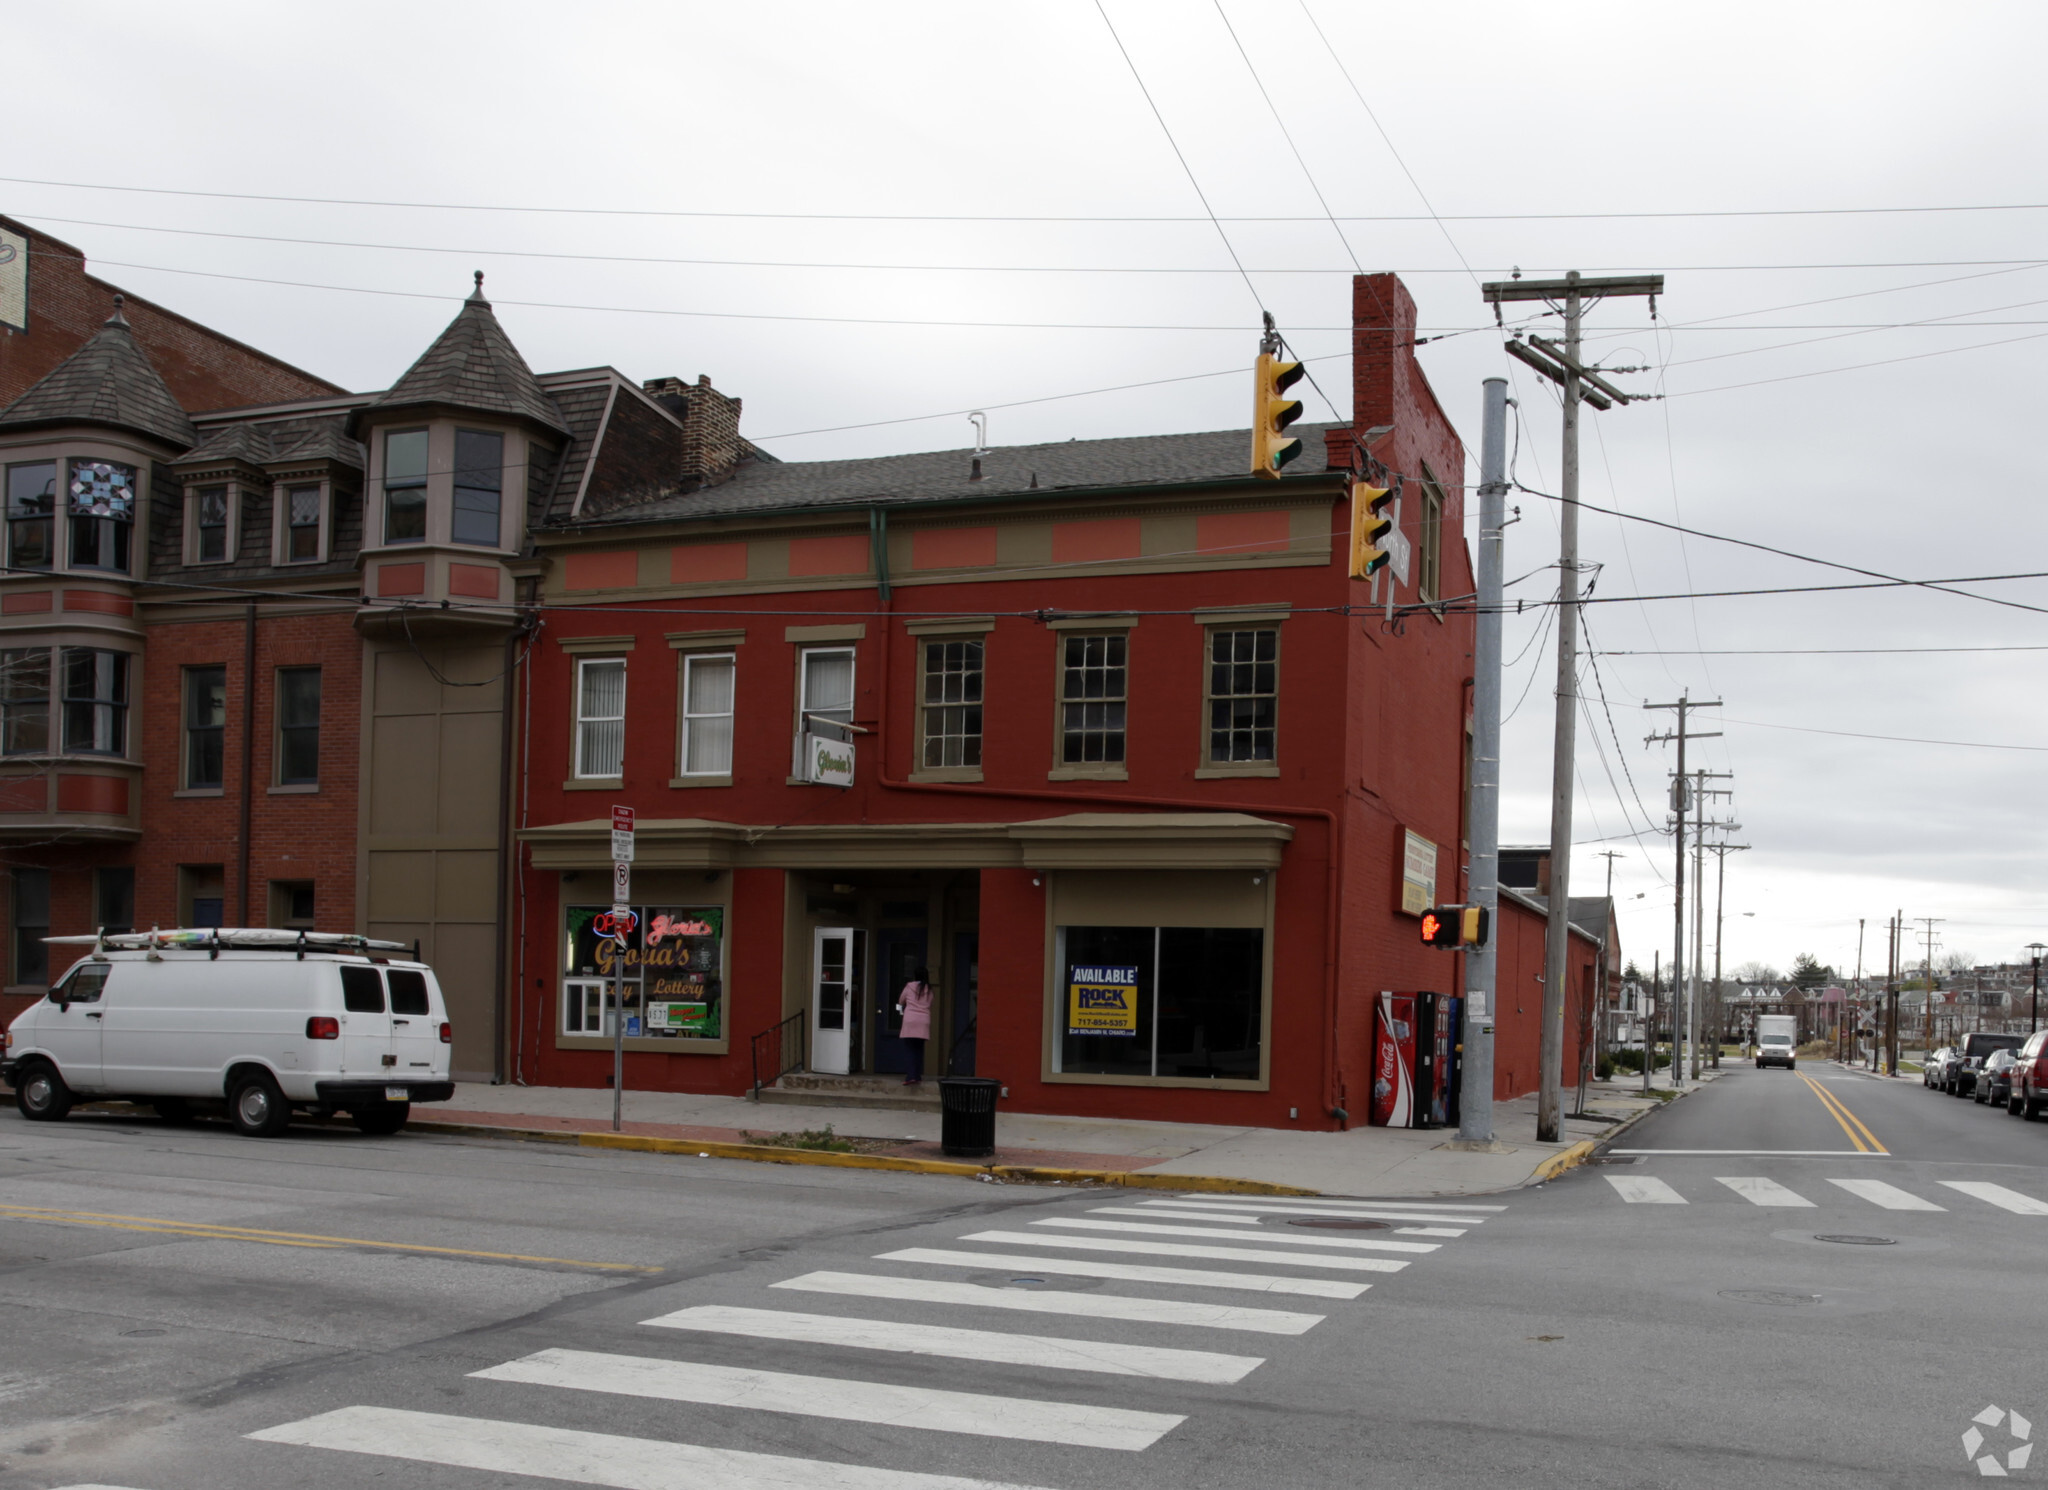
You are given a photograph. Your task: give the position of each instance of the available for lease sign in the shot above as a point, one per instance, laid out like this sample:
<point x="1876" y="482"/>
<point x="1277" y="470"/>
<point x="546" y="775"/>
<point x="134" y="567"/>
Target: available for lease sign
<point x="1102" y="1001"/>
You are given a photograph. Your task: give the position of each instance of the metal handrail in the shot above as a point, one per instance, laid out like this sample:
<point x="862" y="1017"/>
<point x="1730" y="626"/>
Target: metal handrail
<point x="791" y="1031"/>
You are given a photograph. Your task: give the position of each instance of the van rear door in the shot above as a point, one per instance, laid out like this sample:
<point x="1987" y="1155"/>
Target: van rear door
<point x="365" y="1023"/>
<point x="415" y="1026"/>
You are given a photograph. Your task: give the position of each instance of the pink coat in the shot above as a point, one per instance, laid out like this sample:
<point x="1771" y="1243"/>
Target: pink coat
<point x="916" y="1003"/>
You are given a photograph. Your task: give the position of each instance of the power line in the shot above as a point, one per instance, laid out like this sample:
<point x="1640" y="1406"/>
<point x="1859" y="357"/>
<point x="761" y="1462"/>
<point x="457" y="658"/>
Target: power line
<point x="1857" y="366"/>
<point x="1817" y="651"/>
<point x="1767" y="212"/>
<point x="1807" y="729"/>
<point x="1464" y="604"/>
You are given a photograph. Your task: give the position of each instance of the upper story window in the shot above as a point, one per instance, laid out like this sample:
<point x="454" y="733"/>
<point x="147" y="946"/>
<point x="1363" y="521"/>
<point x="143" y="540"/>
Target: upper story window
<point x="600" y="716"/>
<point x="298" y="726"/>
<point x="102" y="506"/>
<point x="95" y="701"/>
<point x="479" y="483"/>
<point x="1094" y="674"/>
<point x="302" y="525"/>
<point x="1244" y="685"/>
<point x="1429" y="580"/>
<point x="210" y="523"/>
<point x="707" y="714"/>
<point x="31" y="514"/>
<point x="952" y="704"/>
<point x="25" y="701"/>
<point x="405" y="486"/>
<point x="827" y="689"/>
<point x="206" y="718"/>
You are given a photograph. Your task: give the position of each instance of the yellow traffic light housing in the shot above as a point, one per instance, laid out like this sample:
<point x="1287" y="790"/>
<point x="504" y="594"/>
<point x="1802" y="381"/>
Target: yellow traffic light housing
<point x="1369" y="528"/>
<point x="1272" y="447"/>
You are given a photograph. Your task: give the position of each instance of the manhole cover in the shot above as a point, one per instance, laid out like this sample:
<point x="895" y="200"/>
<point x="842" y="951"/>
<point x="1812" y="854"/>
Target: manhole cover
<point x="1859" y="1241"/>
<point x="1777" y="1298"/>
<point x="1321" y="1224"/>
<point x="1615" y="1159"/>
<point x="143" y="1332"/>
<point x="1027" y="1280"/>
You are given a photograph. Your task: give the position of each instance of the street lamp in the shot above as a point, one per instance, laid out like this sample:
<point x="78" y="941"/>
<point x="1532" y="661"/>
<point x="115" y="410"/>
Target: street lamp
<point x="2034" y="1017"/>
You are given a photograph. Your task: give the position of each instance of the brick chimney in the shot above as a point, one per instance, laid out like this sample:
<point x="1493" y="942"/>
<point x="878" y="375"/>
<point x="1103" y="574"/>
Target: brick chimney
<point x="711" y="426"/>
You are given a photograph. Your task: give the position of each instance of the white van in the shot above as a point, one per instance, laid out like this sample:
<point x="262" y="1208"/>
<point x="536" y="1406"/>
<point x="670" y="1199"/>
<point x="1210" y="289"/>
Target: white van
<point x="260" y="1022"/>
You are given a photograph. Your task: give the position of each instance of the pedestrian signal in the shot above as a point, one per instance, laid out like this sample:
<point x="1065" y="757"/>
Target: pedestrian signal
<point x="1456" y="926"/>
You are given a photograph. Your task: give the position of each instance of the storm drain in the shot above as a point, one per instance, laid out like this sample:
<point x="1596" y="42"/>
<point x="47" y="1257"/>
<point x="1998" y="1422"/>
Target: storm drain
<point x="1860" y="1241"/>
<point x="1341" y="1225"/>
<point x="1616" y="1159"/>
<point x="1774" y="1298"/>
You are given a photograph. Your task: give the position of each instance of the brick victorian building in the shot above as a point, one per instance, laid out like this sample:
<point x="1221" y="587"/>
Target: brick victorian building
<point x="1116" y="749"/>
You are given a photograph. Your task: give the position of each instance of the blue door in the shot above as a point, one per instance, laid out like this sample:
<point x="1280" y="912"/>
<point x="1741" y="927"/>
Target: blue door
<point x="899" y="953"/>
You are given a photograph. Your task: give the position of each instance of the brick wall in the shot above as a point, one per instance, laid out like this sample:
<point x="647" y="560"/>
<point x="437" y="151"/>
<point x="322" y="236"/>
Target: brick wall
<point x="203" y="368"/>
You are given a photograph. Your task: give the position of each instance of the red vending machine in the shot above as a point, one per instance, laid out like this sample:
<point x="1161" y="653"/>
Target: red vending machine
<point x="1393" y="1061"/>
<point x="1415" y="1065"/>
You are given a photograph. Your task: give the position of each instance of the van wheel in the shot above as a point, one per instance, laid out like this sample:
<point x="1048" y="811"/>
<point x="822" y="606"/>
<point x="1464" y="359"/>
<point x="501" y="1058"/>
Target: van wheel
<point x="380" y="1118"/>
<point x="42" y="1095"/>
<point x="259" y="1108"/>
<point x="176" y="1112"/>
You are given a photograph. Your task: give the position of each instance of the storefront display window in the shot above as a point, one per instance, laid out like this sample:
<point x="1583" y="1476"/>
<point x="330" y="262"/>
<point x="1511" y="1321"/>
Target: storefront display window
<point x="1151" y="1001"/>
<point x="674" y="967"/>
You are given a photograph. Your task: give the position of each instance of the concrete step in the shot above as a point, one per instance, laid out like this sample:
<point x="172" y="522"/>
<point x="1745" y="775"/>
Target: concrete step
<point x="881" y="1093"/>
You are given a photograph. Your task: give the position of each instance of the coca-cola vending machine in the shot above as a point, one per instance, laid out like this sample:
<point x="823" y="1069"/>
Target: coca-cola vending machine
<point x="1415" y="1060"/>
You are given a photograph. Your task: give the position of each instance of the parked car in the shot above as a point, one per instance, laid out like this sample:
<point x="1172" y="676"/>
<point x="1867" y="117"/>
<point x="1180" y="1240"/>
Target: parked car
<point x="1962" y="1075"/>
<point x="1994" y="1082"/>
<point x="1934" y="1070"/>
<point x="2030" y="1078"/>
<point x="258" y="1023"/>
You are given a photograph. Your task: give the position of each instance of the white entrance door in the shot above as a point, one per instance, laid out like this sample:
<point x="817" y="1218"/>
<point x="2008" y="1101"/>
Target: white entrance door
<point x="835" y="998"/>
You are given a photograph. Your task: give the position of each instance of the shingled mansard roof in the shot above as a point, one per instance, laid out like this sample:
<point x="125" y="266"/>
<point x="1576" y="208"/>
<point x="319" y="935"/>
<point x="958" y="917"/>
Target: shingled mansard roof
<point x="109" y="380"/>
<point x="473" y="365"/>
<point x="949" y="475"/>
<point x="303" y="439"/>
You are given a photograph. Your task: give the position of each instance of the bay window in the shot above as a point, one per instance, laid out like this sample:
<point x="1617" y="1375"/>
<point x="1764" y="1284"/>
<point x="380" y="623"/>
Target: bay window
<point x="479" y="483"/>
<point x="405" y="486"/>
<point x="31" y="514"/>
<point x="95" y="701"/>
<point x="103" y="497"/>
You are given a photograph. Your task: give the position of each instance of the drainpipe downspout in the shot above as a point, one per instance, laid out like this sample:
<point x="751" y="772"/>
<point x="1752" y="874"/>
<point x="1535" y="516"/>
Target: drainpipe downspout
<point x="878" y="544"/>
<point x="248" y="761"/>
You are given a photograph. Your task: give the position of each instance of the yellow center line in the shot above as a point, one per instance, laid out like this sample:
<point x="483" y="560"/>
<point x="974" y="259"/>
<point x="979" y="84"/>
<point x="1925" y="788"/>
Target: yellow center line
<point x="215" y="1232"/>
<point x="1865" y="1141"/>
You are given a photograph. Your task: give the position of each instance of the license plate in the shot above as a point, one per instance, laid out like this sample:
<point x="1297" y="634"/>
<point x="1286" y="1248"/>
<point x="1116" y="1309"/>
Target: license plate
<point x="397" y="1094"/>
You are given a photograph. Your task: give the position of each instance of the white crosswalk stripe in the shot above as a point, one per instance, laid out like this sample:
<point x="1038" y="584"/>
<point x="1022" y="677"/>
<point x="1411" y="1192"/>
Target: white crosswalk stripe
<point x="1644" y="1189"/>
<point x="1048" y="1301"/>
<point x="1079" y="1424"/>
<point x="531" y="1449"/>
<point x="1758" y="1190"/>
<point x="1299" y="1200"/>
<point x="1187" y="1249"/>
<point x="1130" y="1272"/>
<point x="1173" y="1215"/>
<point x="1998" y="1195"/>
<point x="1154" y="1361"/>
<point x="1376" y="1213"/>
<point x="1139" y="1228"/>
<point x="1891" y="1197"/>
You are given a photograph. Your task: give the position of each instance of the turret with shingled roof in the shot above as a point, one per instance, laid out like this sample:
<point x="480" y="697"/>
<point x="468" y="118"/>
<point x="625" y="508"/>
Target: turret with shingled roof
<point x="472" y="367"/>
<point x="111" y="381"/>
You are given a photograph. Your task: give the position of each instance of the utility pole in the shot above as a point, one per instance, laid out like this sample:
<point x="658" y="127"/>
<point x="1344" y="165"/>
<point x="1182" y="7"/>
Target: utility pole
<point x="1721" y="851"/>
<point x="1859" y="968"/>
<point x="1563" y="367"/>
<point x="1680" y="787"/>
<point x="1475" y="1103"/>
<point x="1701" y="791"/>
<point x="1643" y="1014"/>
<point x="2034" y="1014"/>
<point x="1927" y="965"/>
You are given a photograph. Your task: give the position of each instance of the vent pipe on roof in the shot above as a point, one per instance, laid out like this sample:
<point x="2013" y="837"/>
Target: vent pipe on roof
<point x="980" y="422"/>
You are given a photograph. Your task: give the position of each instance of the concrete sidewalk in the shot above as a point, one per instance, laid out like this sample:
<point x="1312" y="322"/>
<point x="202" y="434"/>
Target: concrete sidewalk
<point x="1362" y="1162"/>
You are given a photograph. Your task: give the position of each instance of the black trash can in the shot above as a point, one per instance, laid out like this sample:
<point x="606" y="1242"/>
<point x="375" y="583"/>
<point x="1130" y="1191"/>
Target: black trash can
<point x="967" y="1116"/>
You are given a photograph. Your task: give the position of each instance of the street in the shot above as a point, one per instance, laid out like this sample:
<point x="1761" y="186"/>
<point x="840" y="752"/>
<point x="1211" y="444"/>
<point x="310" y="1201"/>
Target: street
<point x="186" y="1309"/>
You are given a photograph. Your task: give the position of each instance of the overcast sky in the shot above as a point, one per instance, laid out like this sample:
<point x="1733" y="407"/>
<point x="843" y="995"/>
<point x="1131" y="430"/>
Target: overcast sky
<point x="1857" y="387"/>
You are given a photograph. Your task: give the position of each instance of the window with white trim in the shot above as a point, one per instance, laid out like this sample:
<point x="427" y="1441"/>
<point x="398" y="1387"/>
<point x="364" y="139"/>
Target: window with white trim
<point x="952" y="704"/>
<point x="302" y="525"/>
<point x="1243" y="694"/>
<point x="1094" y="675"/>
<point x="600" y="717"/>
<point x="707" y="714"/>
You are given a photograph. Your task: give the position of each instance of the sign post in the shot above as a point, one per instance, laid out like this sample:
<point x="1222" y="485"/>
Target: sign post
<point x="621" y="929"/>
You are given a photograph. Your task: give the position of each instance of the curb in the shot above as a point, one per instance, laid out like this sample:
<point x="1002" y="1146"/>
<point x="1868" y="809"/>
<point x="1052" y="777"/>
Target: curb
<point x="1564" y="1159"/>
<point x="764" y="1154"/>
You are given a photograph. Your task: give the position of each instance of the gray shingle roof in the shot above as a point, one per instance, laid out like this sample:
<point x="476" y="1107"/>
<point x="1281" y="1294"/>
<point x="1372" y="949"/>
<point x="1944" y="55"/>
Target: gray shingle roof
<point x="473" y="365"/>
<point x="109" y="380"/>
<point x="942" y="475"/>
<point x="309" y="437"/>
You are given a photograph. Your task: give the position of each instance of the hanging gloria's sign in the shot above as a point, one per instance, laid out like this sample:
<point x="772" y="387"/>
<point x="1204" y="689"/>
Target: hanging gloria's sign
<point x="828" y="762"/>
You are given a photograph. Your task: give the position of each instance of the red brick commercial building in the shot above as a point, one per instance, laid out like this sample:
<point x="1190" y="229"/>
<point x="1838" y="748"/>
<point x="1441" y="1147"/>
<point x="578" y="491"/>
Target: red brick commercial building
<point x="1118" y="750"/>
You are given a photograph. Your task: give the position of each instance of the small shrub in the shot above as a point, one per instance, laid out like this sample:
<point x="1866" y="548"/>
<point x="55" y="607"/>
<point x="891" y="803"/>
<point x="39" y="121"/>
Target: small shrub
<point x="822" y="1139"/>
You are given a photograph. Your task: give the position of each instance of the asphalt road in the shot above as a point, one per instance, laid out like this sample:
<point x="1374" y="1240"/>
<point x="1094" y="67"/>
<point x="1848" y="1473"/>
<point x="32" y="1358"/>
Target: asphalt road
<point x="187" y="1310"/>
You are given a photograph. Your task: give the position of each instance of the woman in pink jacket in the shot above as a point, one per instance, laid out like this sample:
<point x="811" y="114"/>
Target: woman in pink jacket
<point x="915" y="1005"/>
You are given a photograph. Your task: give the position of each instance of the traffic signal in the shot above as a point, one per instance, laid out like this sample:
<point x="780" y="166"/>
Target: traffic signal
<point x="1456" y="926"/>
<point x="1369" y="528"/>
<point x="1272" y="412"/>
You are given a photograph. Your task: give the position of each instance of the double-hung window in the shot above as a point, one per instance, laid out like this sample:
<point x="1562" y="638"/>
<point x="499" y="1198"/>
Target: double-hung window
<point x="302" y="525"/>
<point x="103" y="500"/>
<point x="952" y="705"/>
<point x="600" y="716"/>
<point x="31" y="924"/>
<point x="95" y="701"/>
<point x="31" y="514"/>
<point x="1429" y="583"/>
<point x="405" y="486"/>
<point x="25" y="701"/>
<point x="1094" y="673"/>
<point x="1244" y="687"/>
<point x="210" y="517"/>
<point x="298" y="726"/>
<point x="479" y="487"/>
<point x="827" y="688"/>
<point x="206" y="718"/>
<point x="707" y="714"/>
